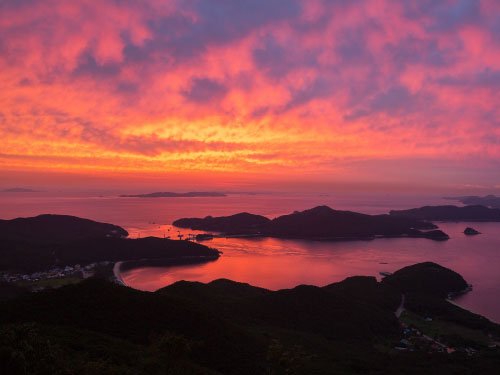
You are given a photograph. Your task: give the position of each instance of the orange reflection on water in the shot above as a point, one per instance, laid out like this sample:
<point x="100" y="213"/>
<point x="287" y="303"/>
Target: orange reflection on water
<point x="277" y="264"/>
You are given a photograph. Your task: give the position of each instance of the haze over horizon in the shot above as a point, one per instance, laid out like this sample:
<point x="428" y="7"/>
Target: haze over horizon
<point x="245" y="95"/>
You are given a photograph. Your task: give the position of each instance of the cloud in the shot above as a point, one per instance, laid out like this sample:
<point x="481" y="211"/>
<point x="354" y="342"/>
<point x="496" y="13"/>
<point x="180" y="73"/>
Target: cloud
<point x="397" y="101"/>
<point x="236" y="83"/>
<point x="487" y="78"/>
<point x="449" y="17"/>
<point x="88" y="66"/>
<point x="205" y="90"/>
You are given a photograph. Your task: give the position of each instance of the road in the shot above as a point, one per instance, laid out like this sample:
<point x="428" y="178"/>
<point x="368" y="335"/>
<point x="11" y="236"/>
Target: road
<point x="401" y="307"/>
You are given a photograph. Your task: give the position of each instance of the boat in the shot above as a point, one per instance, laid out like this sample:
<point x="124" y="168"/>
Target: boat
<point x="385" y="273"/>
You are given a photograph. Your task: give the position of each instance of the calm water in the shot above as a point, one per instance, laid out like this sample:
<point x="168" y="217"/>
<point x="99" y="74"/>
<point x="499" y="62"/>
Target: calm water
<point x="275" y="263"/>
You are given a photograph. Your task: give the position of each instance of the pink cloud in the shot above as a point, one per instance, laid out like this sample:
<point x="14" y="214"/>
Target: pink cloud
<point x="289" y="84"/>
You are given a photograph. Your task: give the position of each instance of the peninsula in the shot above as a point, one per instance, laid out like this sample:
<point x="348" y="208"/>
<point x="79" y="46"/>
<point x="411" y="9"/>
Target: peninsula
<point x="46" y="241"/>
<point x="319" y="223"/>
<point x="449" y="213"/>
<point x="167" y="194"/>
<point x="491" y="201"/>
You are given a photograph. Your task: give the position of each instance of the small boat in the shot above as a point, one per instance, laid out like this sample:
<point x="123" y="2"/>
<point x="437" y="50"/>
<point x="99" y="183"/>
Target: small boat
<point x="385" y="273"/>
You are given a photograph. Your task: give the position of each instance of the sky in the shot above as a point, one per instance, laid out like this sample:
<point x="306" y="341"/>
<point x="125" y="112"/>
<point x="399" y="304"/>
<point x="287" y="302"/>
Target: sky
<point x="251" y="94"/>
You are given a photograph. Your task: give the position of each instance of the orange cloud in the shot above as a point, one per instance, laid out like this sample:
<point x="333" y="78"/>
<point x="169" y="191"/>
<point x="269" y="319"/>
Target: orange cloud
<point x="249" y="88"/>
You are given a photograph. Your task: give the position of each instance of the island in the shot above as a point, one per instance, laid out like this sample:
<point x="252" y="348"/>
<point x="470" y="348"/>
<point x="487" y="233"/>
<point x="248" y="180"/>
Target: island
<point x="471" y="231"/>
<point x="191" y="194"/>
<point x="319" y="223"/>
<point x="450" y="213"/>
<point x="491" y="201"/>
<point x="19" y="190"/>
<point x="401" y="325"/>
<point x="53" y="241"/>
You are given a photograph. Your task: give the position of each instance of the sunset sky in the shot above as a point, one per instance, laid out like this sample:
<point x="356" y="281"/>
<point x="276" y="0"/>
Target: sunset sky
<point x="251" y="94"/>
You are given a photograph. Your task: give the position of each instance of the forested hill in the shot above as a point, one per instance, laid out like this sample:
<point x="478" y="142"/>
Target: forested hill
<point x="320" y="222"/>
<point x="56" y="228"/>
<point x="449" y="213"/>
<point x="46" y="241"/>
<point x="225" y="327"/>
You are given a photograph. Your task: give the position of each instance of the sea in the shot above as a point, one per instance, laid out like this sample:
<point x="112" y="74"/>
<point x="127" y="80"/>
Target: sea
<point x="280" y="263"/>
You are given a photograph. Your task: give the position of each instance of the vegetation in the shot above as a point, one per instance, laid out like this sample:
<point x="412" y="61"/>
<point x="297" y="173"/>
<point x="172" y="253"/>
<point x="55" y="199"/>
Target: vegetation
<point x="51" y="283"/>
<point x="224" y="327"/>
<point x="42" y="242"/>
<point x="318" y="223"/>
<point x="450" y="213"/>
<point x="429" y="279"/>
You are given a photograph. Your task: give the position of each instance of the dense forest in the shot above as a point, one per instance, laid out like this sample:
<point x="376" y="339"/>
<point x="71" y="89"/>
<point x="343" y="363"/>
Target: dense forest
<point x="320" y="222"/>
<point x="224" y="327"/>
<point x="45" y="241"/>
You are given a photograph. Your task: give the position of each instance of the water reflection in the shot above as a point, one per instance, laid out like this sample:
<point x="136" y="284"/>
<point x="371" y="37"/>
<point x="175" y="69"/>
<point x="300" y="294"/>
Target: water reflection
<point x="275" y="263"/>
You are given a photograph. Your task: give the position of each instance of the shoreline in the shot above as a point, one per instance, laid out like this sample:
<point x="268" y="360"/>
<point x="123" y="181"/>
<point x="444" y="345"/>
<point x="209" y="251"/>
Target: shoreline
<point x="469" y="310"/>
<point x="116" y="273"/>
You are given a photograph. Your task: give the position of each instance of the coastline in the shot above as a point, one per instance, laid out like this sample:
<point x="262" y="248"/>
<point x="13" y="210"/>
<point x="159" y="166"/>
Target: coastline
<point x="116" y="273"/>
<point x="471" y="311"/>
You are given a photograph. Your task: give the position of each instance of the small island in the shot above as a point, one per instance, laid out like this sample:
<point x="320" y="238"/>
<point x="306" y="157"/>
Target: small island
<point x="471" y="231"/>
<point x="319" y="223"/>
<point x="167" y="194"/>
<point x="19" y="190"/>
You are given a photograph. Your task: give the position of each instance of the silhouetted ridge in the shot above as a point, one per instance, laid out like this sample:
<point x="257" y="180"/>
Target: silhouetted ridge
<point x="57" y="228"/>
<point x="47" y="241"/>
<point x="320" y="222"/>
<point x="488" y="200"/>
<point x="231" y="328"/>
<point x="427" y="278"/>
<point x="450" y="213"/>
<point x="242" y="223"/>
<point x="167" y="194"/>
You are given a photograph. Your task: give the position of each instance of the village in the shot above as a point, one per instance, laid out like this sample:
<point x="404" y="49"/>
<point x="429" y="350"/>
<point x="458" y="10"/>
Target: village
<point x="414" y="339"/>
<point x="54" y="277"/>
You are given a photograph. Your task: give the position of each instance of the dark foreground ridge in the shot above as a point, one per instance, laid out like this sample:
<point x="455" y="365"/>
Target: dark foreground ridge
<point x="449" y="213"/>
<point x="167" y="194"/>
<point x="225" y="327"/>
<point x="322" y="223"/>
<point x="47" y="241"/>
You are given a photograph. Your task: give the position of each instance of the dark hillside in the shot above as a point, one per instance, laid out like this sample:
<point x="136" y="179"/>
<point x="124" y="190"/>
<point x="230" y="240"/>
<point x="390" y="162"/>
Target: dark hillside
<point x="323" y="221"/>
<point x="426" y="278"/>
<point x="242" y="223"/>
<point x="320" y="222"/>
<point x="224" y="327"/>
<point x="56" y="228"/>
<point x="450" y="213"/>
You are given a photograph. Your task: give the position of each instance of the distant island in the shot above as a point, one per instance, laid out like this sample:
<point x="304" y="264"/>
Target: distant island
<point x="450" y="213"/>
<point x="491" y="201"/>
<point x="401" y="325"/>
<point x="319" y="223"/>
<point x="19" y="190"/>
<point x="46" y="241"/>
<point x="471" y="231"/>
<point x="167" y="194"/>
